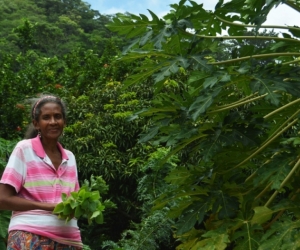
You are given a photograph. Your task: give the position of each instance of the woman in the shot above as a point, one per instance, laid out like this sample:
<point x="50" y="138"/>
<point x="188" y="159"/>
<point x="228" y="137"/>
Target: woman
<point x="39" y="170"/>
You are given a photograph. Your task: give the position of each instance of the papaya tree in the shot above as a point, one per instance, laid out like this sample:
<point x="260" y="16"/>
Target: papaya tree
<point x="233" y="123"/>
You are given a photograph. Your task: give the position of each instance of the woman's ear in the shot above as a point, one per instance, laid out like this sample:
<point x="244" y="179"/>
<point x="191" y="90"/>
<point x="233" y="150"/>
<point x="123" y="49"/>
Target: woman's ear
<point x="35" y="124"/>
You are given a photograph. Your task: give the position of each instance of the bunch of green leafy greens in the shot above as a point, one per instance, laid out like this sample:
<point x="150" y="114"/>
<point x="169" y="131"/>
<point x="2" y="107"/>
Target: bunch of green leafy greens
<point x="86" y="202"/>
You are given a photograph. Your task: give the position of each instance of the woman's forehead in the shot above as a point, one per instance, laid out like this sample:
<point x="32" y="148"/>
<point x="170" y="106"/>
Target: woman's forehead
<point x="51" y="106"/>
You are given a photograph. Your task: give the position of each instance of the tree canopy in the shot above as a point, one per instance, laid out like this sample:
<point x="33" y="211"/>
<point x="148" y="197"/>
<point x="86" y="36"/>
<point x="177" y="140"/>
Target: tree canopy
<point x="51" y="28"/>
<point x="234" y="122"/>
<point x="193" y="125"/>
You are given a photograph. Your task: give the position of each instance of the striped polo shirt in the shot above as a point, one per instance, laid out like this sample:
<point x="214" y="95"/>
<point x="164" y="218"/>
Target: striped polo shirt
<point x="32" y="174"/>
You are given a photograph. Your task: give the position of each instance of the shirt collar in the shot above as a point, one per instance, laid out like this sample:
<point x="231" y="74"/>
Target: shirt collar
<point x="39" y="149"/>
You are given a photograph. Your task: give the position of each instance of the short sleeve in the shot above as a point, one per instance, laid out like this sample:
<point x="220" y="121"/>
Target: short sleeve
<point x="15" y="170"/>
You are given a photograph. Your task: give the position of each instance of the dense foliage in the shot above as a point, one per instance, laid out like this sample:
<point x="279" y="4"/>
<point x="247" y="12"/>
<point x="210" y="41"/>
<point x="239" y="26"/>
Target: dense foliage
<point x="194" y="131"/>
<point x="87" y="79"/>
<point x="97" y="133"/>
<point x="234" y="124"/>
<point x="51" y="28"/>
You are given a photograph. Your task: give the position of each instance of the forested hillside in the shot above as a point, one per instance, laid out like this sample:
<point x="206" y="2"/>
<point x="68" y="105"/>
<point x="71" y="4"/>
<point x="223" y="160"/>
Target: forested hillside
<point x="51" y="28"/>
<point x="195" y="132"/>
<point x="64" y="48"/>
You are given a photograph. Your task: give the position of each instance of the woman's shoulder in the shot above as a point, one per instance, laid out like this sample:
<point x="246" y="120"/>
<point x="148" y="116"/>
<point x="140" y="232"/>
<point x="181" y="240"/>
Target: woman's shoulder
<point x="25" y="143"/>
<point x="69" y="153"/>
<point x="66" y="152"/>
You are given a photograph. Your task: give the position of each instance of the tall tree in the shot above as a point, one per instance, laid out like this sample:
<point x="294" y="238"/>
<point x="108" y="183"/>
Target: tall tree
<point x="233" y="124"/>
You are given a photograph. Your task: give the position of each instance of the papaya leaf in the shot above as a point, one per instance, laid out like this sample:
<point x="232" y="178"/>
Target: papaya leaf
<point x="195" y="192"/>
<point x="193" y="214"/>
<point x="201" y="104"/>
<point x="172" y="67"/>
<point x="153" y="132"/>
<point x="226" y="206"/>
<point x="147" y="71"/>
<point x="178" y="176"/>
<point x="261" y="215"/>
<point x="130" y="25"/>
<point x="274" y="171"/>
<point x="248" y="237"/>
<point x="214" y="240"/>
<point x="201" y="64"/>
<point x="264" y="86"/>
<point x="195" y="77"/>
<point x="282" y="235"/>
<point x="210" y="81"/>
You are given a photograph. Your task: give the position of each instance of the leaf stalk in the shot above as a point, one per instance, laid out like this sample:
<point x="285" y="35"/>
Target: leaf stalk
<point x="238" y="104"/>
<point x="254" y="26"/>
<point x="284" y="182"/>
<point x="263" y="146"/>
<point x="281" y="108"/>
<point x="255" y="56"/>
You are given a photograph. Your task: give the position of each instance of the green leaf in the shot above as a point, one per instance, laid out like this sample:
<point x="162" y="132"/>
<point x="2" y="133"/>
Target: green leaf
<point x="278" y="45"/>
<point x="226" y="206"/>
<point x="81" y="193"/>
<point x="99" y="219"/>
<point x="201" y="104"/>
<point x="210" y="81"/>
<point x="215" y="240"/>
<point x="186" y="223"/>
<point x="264" y="86"/>
<point x="78" y="212"/>
<point x="153" y="132"/>
<point x="4" y="222"/>
<point x="171" y="67"/>
<point x="196" y="76"/>
<point x="64" y="197"/>
<point x="95" y="214"/>
<point x="73" y="203"/>
<point x="283" y="235"/>
<point x="2" y="244"/>
<point x="67" y="210"/>
<point x="59" y="208"/>
<point x="294" y="32"/>
<point x="74" y="195"/>
<point x="178" y="176"/>
<point x="261" y="215"/>
<point x="95" y="195"/>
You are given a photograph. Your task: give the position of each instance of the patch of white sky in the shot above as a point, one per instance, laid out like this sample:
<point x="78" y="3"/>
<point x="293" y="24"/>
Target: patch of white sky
<point x="281" y="15"/>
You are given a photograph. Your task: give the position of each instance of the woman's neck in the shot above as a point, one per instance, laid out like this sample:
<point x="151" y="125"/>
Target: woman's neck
<point x="49" y="146"/>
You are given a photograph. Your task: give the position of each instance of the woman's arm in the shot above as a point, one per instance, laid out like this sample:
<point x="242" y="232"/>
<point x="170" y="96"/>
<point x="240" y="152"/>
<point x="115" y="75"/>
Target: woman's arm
<point x="9" y="201"/>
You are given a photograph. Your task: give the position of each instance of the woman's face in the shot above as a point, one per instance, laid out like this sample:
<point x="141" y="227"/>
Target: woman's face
<point x="50" y="121"/>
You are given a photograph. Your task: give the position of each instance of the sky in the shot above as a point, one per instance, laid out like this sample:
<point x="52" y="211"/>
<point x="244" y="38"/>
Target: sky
<point x="282" y="15"/>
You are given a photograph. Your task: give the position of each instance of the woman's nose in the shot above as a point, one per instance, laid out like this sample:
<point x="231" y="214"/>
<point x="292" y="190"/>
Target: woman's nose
<point x="52" y="120"/>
